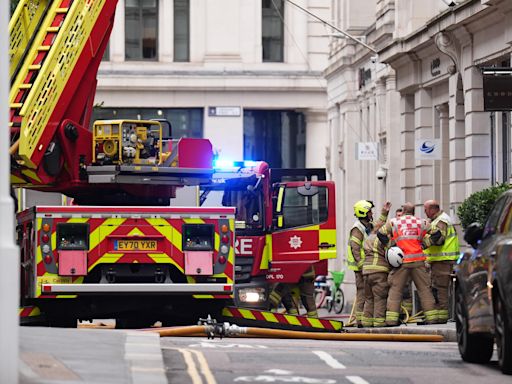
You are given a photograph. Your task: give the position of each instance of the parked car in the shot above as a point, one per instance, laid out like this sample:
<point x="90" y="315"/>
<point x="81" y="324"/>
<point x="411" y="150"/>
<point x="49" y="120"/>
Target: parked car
<point x="483" y="309"/>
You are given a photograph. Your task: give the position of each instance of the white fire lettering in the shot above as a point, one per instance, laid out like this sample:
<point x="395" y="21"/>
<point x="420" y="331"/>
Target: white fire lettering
<point x="243" y="246"/>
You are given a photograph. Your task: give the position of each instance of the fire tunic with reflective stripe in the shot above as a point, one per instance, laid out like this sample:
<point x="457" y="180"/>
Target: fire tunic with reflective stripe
<point x="356" y="263"/>
<point x="375" y="256"/>
<point x="449" y="250"/>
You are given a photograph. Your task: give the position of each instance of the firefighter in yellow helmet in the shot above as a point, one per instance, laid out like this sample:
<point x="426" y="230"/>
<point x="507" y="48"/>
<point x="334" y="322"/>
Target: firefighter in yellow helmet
<point x="359" y="231"/>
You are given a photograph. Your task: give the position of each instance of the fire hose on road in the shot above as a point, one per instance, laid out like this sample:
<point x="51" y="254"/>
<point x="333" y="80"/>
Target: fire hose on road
<point x="213" y="329"/>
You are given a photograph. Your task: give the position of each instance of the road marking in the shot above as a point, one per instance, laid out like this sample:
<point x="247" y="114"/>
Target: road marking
<point x="205" y="369"/>
<point x="329" y="360"/>
<point x="226" y="346"/>
<point x="191" y="366"/>
<point x="357" y="380"/>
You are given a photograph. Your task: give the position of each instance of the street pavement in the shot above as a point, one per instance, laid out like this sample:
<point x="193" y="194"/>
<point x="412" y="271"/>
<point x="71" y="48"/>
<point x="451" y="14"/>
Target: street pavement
<point x="93" y="356"/>
<point x="104" y="356"/>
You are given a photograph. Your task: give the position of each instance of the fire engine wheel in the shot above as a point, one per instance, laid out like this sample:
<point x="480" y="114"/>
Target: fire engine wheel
<point x="132" y="323"/>
<point x="62" y="322"/>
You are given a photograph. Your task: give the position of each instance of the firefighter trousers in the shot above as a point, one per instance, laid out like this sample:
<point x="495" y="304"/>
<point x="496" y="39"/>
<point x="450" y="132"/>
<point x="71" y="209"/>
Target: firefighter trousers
<point x="440" y="272"/>
<point x="359" y="298"/>
<point x="282" y="293"/>
<point x="376" y="294"/>
<point x="418" y="272"/>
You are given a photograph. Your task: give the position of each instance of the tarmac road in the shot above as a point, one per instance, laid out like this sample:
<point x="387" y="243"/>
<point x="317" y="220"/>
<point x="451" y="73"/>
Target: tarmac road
<point x="242" y="360"/>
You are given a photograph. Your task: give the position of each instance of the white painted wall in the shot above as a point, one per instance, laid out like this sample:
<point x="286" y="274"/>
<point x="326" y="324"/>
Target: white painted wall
<point x="226" y="69"/>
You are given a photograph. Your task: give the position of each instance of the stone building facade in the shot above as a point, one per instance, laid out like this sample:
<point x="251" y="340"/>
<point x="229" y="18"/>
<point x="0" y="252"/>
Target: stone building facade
<point x="423" y="83"/>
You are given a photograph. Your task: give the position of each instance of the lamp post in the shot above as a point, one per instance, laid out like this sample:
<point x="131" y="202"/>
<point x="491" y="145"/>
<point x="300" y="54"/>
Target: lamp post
<point x="9" y="270"/>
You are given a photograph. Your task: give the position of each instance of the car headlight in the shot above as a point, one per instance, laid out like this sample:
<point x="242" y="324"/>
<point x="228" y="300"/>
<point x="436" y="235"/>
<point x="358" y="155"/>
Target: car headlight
<point x="251" y="295"/>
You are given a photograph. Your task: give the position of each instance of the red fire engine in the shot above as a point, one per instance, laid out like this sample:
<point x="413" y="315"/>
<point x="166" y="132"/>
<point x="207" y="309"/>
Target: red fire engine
<point x="285" y="222"/>
<point x="121" y="251"/>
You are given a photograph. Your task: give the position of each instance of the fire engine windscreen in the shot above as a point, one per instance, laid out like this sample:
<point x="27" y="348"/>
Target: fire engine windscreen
<point x="245" y="194"/>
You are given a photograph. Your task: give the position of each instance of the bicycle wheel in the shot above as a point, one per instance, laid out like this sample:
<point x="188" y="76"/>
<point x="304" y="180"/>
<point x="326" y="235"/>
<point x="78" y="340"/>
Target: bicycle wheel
<point x="319" y="297"/>
<point x="339" y="301"/>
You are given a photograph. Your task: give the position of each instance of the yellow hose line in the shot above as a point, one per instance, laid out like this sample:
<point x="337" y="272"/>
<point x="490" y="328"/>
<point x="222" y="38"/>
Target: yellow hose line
<point x="341" y="336"/>
<point x="284" y="334"/>
<point x="180" y="331"/>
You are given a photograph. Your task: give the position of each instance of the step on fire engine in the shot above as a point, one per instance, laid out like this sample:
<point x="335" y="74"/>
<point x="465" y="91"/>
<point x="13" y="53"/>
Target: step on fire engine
<point x="120" y="251"/>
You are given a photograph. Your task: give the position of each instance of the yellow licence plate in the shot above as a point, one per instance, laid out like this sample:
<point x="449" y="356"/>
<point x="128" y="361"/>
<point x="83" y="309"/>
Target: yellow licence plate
<point x="135" y="245"/>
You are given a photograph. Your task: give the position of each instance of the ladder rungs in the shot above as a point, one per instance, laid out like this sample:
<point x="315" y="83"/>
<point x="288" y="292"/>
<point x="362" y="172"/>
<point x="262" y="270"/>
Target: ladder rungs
<point x="25" y="86"/>
<point x="52" y="29"/>
<point x="42" y="48"/>
<point x="16" y="105"/>
<point x="62" y="10"/>
<point x="34" y="67"/>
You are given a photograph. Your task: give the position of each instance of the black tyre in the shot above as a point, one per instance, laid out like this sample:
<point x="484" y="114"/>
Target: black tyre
<point x="339" y="301"/>
<point x="503" y="336"/>
<point x="62" y="322"/>
<point x="133" y="323"/>
<point x="473" y="348"/>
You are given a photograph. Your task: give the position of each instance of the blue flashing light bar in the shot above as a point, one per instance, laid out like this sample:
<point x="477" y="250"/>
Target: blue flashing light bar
<point x="226" y="164"/>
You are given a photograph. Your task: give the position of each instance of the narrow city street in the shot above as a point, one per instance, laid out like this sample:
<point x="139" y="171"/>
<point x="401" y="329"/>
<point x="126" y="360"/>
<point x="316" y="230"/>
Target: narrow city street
<point x="243" y="360"/>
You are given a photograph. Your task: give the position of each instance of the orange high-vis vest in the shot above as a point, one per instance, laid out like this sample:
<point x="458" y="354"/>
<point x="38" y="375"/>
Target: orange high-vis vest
<point x="408" y="231"/>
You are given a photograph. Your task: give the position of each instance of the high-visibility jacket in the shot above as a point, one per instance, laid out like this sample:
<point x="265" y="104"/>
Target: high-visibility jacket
<point x="351" y="261"/>
<point x="408" y="231"/>
<point x="450" y="249"/>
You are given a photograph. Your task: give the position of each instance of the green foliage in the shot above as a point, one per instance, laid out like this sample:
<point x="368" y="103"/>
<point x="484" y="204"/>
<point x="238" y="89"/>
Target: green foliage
<point x="477" y="206"/>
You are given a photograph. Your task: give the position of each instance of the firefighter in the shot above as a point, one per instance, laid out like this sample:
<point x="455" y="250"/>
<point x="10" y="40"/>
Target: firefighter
<point x="282" y="293"/>
<point x="406" y="294"/>
<point x="375" y="274"/>
<point x="442" y="249"/>
<point x="407" y="232"/>
<point x="360" y="230"/>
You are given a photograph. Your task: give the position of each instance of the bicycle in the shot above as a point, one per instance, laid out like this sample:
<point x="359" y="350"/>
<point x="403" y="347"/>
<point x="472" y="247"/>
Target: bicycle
<point x="328" y="292"/>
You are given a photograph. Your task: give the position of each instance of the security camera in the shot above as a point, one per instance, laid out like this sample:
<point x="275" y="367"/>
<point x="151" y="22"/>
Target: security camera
<point x="374" y="59"/>
<point x="381" y="173"/>
<point x="450" y="3"/>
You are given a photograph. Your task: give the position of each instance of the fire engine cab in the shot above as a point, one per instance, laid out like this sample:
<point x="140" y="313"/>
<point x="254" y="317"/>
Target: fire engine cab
<point x="285" y="222"/>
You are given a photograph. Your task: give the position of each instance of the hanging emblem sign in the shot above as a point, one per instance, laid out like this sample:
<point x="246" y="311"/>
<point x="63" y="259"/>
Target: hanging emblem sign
<point x="367" y="151"/>
<point x="428" y="149"/>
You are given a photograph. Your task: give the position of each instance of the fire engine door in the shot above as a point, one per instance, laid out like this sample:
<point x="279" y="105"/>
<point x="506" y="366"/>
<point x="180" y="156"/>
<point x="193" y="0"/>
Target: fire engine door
<point x="303" y="229"/>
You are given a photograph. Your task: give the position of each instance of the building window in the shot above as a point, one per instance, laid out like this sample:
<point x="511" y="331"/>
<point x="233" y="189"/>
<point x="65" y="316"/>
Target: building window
<point x="185" y="122"/>
<point x="181" y="30"/>
<point x="106" y="54"/>
<point x="272" y="30"/>
<point x="277" y="137"/>
<point x="141" y="26"/>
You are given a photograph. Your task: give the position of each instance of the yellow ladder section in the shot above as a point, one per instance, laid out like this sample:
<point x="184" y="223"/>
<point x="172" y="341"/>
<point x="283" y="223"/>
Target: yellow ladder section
<point x="61" y="38"/>
<point x="22" y="26"/>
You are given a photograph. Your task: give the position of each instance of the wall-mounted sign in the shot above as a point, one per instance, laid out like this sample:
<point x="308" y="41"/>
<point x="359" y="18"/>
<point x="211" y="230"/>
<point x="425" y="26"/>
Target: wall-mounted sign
<point x="497" y="88"/>
<point x="224" y="111"/>
<point x="428" y="149"/>
<point x="435" y="67"/>
<point x="367" y="151"/>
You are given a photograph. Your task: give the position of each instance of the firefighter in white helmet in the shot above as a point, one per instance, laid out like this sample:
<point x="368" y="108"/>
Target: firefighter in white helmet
<point x="407" y="233"/>
<point x="359" y="231"/>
